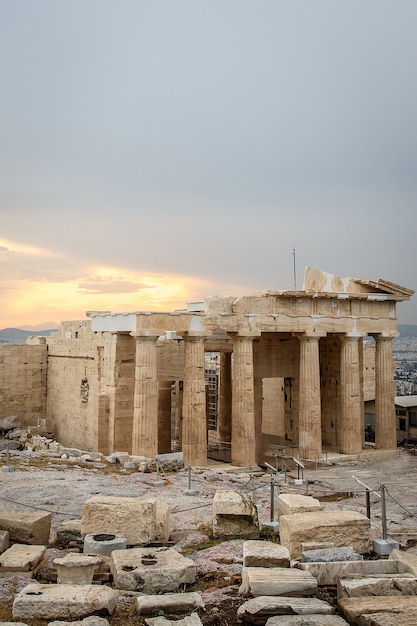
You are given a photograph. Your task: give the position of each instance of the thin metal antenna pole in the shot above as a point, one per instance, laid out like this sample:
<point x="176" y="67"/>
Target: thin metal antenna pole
<point x="383" y="513"/>
<point x="295" y="276"/>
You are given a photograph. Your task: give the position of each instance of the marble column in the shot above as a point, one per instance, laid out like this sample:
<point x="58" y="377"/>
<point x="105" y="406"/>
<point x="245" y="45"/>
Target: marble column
<point x="351" y="426"/>
<point x="224" y="408"/>
<point x="194" y="423"/>
<point x="243" y="402"/>
<point x="309" y="412"/>
<point x="164" y="414"/>
<point x="385" y="422"/>
<point x="145" y="410"/>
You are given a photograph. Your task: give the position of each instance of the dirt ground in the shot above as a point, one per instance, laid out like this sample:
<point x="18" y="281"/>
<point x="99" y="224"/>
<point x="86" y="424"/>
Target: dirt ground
<point x="45" y="482"/>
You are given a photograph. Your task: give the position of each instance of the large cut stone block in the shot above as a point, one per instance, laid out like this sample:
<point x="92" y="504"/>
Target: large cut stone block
<point x="329" y="573"/>
<point x="359" y="610"/>
<point x="4" y="540"/>
<point x="20" y="558"/>
<point x="307" y="620"/>
<point x="290" y="503"/>
<point x="407" y="560"/>
<point x="33" y="528"/>
<point x="140" y="521"/>
<point x="265" y="554"/>
<point x="326" y="555"/>
<point x="170" y="604"/>
<point x="343" y="528"/>
<point x="190" y="620"/>
<point x="151" y="570"/>
<point x="264" y="581"/>
<point x="234" y="513"/>
<point x="258" y="610"/>
<point x="63" y="601"/>
<point x="388" y="585"/>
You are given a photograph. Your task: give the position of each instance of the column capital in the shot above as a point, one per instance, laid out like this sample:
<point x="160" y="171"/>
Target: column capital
<point x="245" y="335"/>
<point x="146" y="335"/>
<point x="193" y="336"/>
<point x="307" y="336"/>
<point x="380" y="336"/>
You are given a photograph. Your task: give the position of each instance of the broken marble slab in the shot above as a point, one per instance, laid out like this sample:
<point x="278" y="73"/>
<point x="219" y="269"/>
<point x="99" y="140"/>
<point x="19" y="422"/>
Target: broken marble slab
<point x="290" y="503"/>
<point x="48" y="602"/>
<point x="20" y="558"/>
<point x="4" y="541"/>
<point x="265" y="554"/>
<point x="307" y="620"/>
<point x="329" y="573"/>
<point x="258" y="610"/>
<point x="357" y="610"/>
<point x="169" y="603"/>
<point x="32" y="528"/>
<point x="266" y="581"/>
<point x="92" y="620"/>
<point x="346" y="553"/>
<point x="190" y="620"/>
<point x="382" y="585"/>
<point x="151" y="570"/>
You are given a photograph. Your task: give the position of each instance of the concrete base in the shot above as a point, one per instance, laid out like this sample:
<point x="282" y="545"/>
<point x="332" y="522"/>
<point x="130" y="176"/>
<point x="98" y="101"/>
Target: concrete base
<point x="384" y="547"/>
<point x="189" y="492"/>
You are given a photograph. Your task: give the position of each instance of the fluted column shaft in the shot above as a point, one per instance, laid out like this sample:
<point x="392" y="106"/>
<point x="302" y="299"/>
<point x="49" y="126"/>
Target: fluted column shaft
<point x="243" y="409"/>
<point x="194" y="423"/>
<point x="350" y="432"/>
<point x="145" y="411"/>
<point x="309" y="420"/>
<point x="225" y="397"/>
<point x="385" y="423"/>
<point x="164" y="415"/>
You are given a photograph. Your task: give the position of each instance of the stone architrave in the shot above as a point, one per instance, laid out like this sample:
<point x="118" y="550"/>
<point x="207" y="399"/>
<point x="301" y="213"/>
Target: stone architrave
<point x="151" y="570"/>
<point x="290" y="503"/>
<point x="343" y="528"/>
<point x="265" y="554"/>
<point x="310" y="437"/>
<point x="385" y="433"/>
<point x="243" y="407"/>
<point x="258" y="610"/>
<point x="139" y="520"/>
<point x="234" y="513"/>
<point x="32" y="528"/>
<point x="48" y="602"/>
<point x="351" y="404"/>
<point x="170" y="603"/>
<point x="266" y="581"/>
<point x="145" y="412"/>
<point x="194" y="426"/>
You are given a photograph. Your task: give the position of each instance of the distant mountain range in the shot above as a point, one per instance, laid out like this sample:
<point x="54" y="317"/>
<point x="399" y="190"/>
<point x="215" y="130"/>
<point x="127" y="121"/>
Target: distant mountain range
<point x="18" y="335"/>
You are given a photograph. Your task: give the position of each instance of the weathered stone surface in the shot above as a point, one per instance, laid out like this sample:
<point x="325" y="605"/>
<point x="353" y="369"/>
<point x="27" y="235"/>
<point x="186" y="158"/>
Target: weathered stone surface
<point x="69" y="530"/>
<point x="407" y="559"/>
<point x="4" y="540"/>
<point x="170" y="604"/>
<point x="10" y="445"/>
<point x="234" y="513"/>
<point x="33" y="528"/>
<point x="265" y="554"/>
<point x="330" y="554"/>
<point x="190" y="620"/>
<point x="225" y="559"/>
<point x="344" y="528"/>
<point x="306" y="620"/>
<point x="63" y="601"/>
<point x="316" y="545"/>
<point x="356" y="610"/>
<point x="258" y="610"/>
<point x="388" y="585"/>
<point x="93" y="620"/>
<point x="388" y="619"/>
<point x="328" y="573"/>
<point x="21" y="558"/>
<point x="76" y="569"/>
<point x="141" y="521"/>
<point x="261" y="581"/>
<point x="151" y="570"/>
<point x="170" y="462"/>
<point x="10" y="422"/>
<point x="290" y="503"/>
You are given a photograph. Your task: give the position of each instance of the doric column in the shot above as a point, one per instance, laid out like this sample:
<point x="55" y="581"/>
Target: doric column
<point x="224" y="409"/>
<point x="385" y="424"/>
<point x="309" y="412"/>
<point x="145" y="410"/>
<point x="243" y="402"/>
<point x="164" y="413"/>
<point x="350" y="431"/>
<point x="194" y="423"/>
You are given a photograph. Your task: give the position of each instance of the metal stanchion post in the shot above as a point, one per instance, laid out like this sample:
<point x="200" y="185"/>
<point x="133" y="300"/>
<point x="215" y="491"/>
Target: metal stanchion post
<point x="189" y="491"/>
<point x="383" y="512"/>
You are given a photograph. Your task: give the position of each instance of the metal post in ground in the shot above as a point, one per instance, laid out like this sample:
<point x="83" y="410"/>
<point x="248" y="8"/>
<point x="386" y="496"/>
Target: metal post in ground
<point x="189" y="491"/>
<point x="383" y="512"/>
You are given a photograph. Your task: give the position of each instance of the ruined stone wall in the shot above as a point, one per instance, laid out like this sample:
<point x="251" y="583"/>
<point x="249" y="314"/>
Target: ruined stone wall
<point x="79" y="362"/>
<point x="23" y="372"/>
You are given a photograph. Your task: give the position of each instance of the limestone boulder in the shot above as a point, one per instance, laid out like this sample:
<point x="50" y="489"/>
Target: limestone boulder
<point x="140" y="521"/>
<point x="33" y="528"/>
<point x="343" y="528"/>
<point x="10" y="422"/>
<point x="170" y="462"/>
<point x="261" y="581"/>
<point x="49" y="602"/>
<point x="265" y="554"/>
<point x="290" y="503"/>
<point x="234" y="513"/>
<point x="151" y="570"/>
<point x="258" y="610"/>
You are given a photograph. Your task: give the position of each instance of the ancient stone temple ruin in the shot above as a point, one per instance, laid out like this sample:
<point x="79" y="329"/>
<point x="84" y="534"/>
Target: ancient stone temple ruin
<point x="274" y="368"/>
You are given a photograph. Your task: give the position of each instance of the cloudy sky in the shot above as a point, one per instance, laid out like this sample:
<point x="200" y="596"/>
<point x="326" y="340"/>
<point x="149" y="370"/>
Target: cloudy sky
<point x="153" y="152"/>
